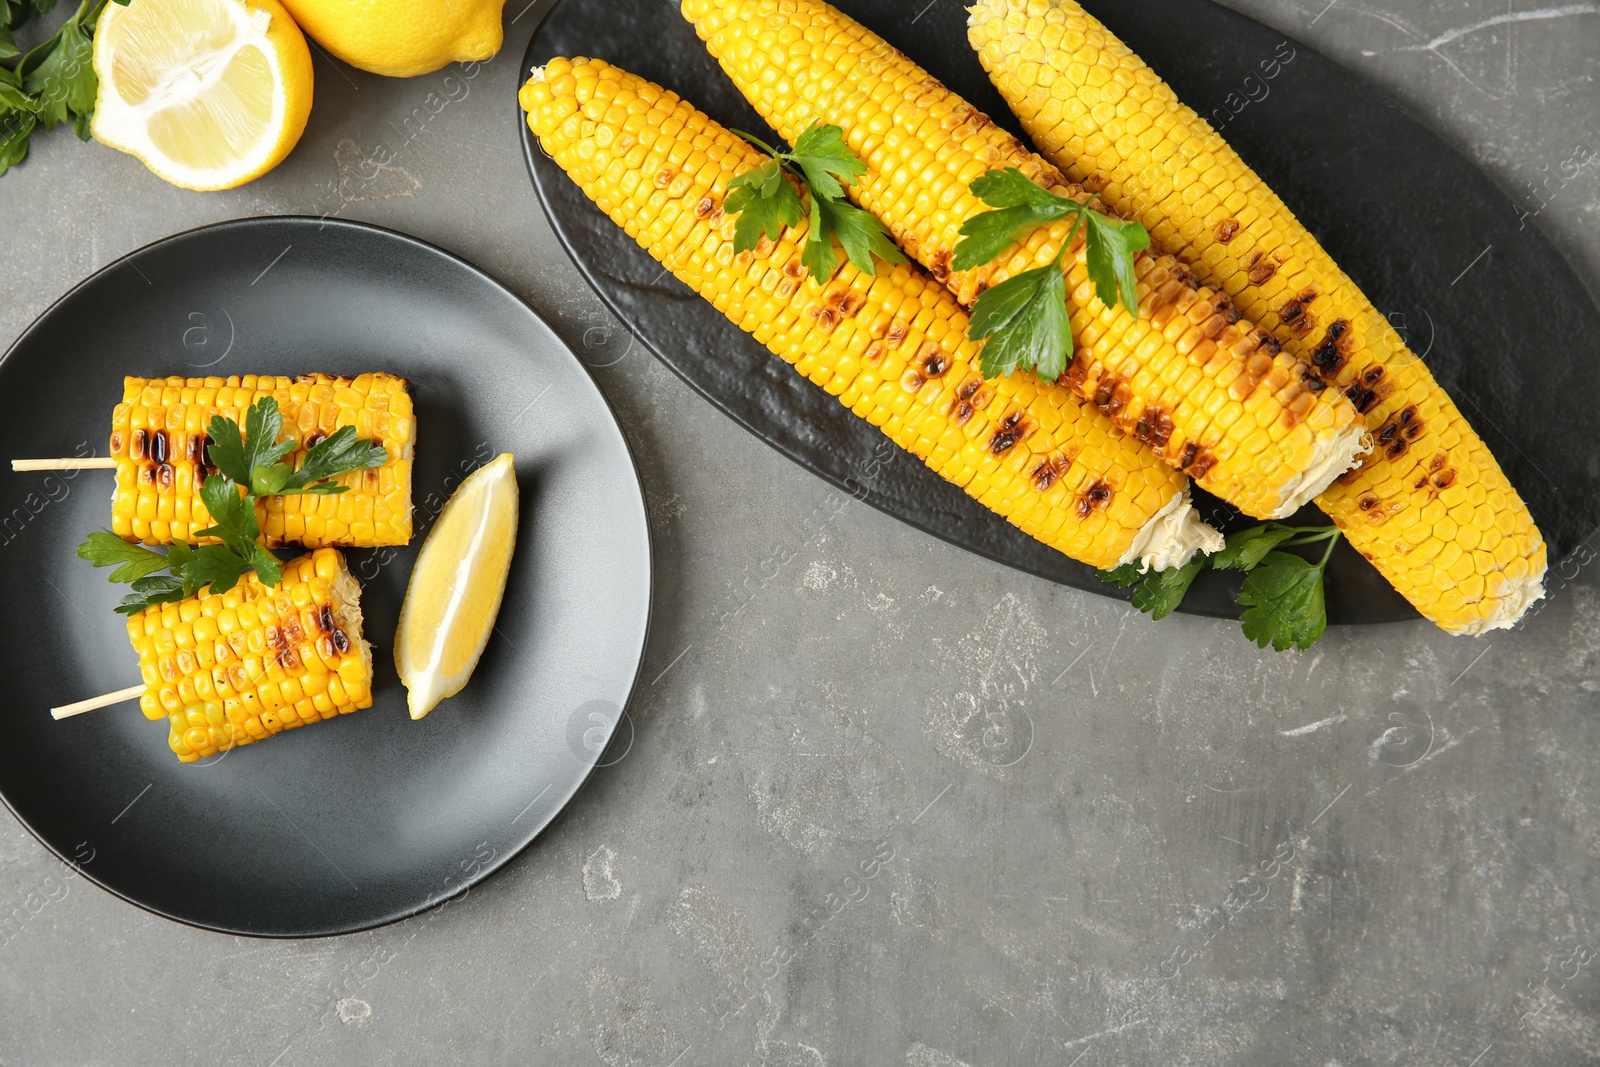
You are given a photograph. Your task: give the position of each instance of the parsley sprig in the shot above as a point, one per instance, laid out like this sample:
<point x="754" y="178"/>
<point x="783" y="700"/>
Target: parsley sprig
<point x="255" y="457"/>
<point x="1282" y="593"/>
<point x="53" y="83"/>
<point x="765" y="201"/>
<point x="249" y="466"/>
<point x="1023" y="320"/>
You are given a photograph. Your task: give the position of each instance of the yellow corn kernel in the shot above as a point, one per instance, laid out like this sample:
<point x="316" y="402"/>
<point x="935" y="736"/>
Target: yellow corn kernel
<point x="899" y="321"/>
<point x="161" y="455"/>
<point x="1429" y="471"/>
<point x="211" y="709"/>
<point x="923" y="143"/>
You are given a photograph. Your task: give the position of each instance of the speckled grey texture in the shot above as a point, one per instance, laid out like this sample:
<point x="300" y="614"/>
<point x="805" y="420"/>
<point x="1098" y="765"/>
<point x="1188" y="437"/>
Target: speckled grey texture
<point x="887" y="803"/>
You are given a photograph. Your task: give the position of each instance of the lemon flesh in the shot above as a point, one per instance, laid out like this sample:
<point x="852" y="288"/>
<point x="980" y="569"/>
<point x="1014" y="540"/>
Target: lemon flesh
<point x="457" y="587"/>
<point x="209" y="94"/>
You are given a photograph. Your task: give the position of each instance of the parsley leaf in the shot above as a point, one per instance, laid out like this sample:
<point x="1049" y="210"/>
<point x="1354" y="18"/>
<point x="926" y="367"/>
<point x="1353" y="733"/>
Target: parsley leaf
<point x="827" y="162"/>
<point x="1156" y="592"/>
<point x="15" y="126"/>
<point x="1021" y="206"/>
<point x="1035" y="335"/>
<point x="233" y="515"/>
<point x="237" y="456"/>
<point x="1024" y="319"/>
<point x="1112" y="244"/>
<point x="157" y="589"/>
<point x="1282" y="594"/>
<point x="1247" y="548"/>
<point x="54" y="83"/>
<point x="1283" y="598"/>
<point x="236" y="527"/>
<point x="858" y="231"/>
<point x="12" y="96"/>
<point x="339" y="453"/>
<point x="764" y="201"/>
<point x="216" y="566"/>
<point x="59" y="75"/>
<point x="105" y="549"/>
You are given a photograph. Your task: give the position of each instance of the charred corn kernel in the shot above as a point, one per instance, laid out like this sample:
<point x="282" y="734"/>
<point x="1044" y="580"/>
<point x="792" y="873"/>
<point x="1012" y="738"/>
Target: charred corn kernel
<point x="212" y="710"/>
<point x="1255" y="427"/>
<point x="1102" y="116"/>
<point x="159" y="440"/>
<point x="1034" y="453"/>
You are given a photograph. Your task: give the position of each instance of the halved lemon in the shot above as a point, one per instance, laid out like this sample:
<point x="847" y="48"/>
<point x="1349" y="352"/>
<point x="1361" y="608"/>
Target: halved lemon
<point x="457" y="586"/>
<point x="209" y="94"/>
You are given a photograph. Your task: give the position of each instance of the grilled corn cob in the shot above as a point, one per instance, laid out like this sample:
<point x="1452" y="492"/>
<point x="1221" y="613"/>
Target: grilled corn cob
<point x="1212" y="394"/>
<point x="158" y="438"/>
<point x="891" y="345"/>
<point x="1429" y="506"/>
<point x="227" y="669"/>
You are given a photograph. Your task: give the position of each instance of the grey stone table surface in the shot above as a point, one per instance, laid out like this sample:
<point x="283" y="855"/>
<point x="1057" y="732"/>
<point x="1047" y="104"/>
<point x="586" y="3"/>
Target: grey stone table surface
<point x="896" y="804"/>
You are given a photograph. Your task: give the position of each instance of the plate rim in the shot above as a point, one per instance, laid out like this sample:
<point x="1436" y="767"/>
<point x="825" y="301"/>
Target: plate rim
<point x="436" y="899"/>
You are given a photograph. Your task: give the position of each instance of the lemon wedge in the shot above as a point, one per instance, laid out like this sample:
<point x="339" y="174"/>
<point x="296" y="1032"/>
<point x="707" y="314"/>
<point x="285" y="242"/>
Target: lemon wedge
<point x="208" y="94"/>
<point x="457" y="586"/>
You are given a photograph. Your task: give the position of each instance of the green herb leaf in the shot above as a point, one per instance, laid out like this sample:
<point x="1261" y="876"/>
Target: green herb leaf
<point x="1247" y="548"/>
<point x="1112" y="244"/>
<point x="237" y="454"/>
<point x="133" y="562"/>
<point x="764" y="203"/>
<point x="339" y="453"/>
<point x="1283" y="595"/>
<point x="234" y="515"/>
<point x="817" y="254"/>
<point x="1021" y="205"/>
<point x="1025" y="322"/>
<point x="15" y="126"/>
<point x="215" y="566"/>
<point x="858" y="231"/>
<point x="12" y="97"/>
<point x="827" y="162"/>
<point x="59" y="74"/>
<point x="1156" y="592"/>
<point x="236" y="527"/>
<point x="862" y="236"/>
<point x="158" y="589"/>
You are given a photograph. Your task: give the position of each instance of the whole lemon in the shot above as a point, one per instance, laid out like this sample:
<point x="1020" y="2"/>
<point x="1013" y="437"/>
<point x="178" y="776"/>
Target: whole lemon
<point x="402" y="38"/>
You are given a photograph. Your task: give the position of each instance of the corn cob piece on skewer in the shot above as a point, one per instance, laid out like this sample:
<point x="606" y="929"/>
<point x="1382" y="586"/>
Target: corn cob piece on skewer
<point x="1429" y="506"/>
<point x="890" y="345"/>
<point x="229" y="669"/>
<point x="1214" y="395"/>
<point x="158" y="438"/>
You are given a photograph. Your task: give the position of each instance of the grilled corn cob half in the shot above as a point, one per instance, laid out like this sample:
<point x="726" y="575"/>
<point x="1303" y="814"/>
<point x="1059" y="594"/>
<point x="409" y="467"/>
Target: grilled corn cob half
<point x="228" y="669"/>
<point x="891" y="345"/>
<point x="1211" y="393"/>
<point x="1429" y="506"/>
<point x="158" y="438"/>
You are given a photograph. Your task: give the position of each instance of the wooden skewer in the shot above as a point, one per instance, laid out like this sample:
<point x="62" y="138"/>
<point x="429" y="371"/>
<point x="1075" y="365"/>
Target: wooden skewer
<point x="133" y="692"/>
<point x="88" y="463"/>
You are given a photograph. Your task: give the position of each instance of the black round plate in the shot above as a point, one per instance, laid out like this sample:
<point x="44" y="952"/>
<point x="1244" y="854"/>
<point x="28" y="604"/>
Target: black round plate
<point x="370" y="817"/>
<point x="1512" y="338"/>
